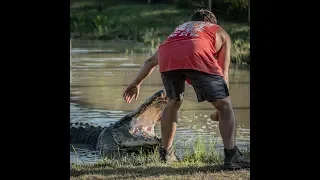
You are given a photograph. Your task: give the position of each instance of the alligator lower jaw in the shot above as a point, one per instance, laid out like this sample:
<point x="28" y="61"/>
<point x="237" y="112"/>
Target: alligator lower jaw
<point x="143" y="131"/>
<point x="142" y="143"/>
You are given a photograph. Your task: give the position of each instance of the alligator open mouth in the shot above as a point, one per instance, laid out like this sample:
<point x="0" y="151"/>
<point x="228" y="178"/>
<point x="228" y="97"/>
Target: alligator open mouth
<point x="143" y="125"/>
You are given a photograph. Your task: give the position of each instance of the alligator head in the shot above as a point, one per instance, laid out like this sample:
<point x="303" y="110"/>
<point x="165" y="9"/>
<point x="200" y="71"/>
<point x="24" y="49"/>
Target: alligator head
<point x="136" y="129"/>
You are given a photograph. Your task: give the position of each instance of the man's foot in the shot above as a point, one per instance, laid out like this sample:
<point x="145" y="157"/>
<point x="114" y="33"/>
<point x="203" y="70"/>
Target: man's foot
<point x="168" y="155"/>
<point x="234" y="159"/>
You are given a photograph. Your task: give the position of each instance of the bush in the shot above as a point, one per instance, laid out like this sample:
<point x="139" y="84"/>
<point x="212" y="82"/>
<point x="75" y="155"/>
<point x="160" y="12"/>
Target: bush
<point x="184" y="4"/>
<point x="237" y="7"/>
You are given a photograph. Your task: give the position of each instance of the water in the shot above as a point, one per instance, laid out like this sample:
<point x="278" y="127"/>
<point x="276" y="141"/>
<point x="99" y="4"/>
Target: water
<point x="101" y="71"/>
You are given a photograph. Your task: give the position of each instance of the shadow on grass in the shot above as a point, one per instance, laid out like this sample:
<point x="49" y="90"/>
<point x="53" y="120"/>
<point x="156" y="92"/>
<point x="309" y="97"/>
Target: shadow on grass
<point x="144" y="172"/>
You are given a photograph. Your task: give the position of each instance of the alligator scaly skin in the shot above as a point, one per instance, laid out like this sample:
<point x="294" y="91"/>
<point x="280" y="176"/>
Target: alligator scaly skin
<point x="84" y="133"/>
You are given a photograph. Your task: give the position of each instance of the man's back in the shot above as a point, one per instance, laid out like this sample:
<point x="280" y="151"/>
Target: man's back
<point x="191" y="46"/>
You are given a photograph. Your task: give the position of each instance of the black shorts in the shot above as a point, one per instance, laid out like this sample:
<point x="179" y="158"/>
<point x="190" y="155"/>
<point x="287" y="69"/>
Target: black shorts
<point x="206" y="86"/>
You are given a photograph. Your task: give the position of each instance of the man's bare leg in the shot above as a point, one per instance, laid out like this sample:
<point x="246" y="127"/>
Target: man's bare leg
<point x="227" y="123"/>
<point x="227" y="126"/>
<point x="169" y="122"/>
<point x="168" y="129"/>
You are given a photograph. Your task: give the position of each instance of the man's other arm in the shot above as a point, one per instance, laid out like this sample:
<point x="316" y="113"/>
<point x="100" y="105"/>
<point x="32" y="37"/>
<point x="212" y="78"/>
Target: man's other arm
<point x="224" y="54"/>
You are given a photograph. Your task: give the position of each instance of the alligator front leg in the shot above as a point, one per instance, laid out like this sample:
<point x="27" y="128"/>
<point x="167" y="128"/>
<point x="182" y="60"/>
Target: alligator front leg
<point x="107" y="146"/>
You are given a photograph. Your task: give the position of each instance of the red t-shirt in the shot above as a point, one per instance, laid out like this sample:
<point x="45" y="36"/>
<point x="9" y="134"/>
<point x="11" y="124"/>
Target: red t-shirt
<point x="190" y="46"/>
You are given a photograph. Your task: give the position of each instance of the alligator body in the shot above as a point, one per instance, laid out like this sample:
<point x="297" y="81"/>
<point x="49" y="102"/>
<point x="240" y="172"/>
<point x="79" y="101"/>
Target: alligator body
<point x="132" y="133"/>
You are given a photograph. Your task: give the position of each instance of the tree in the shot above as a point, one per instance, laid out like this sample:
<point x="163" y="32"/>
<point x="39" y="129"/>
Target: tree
<point x="249" y="10"/>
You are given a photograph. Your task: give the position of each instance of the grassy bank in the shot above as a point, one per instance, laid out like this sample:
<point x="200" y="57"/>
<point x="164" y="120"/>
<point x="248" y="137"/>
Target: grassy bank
<point x="202" y="162"/>
<point x="146" y="23"/>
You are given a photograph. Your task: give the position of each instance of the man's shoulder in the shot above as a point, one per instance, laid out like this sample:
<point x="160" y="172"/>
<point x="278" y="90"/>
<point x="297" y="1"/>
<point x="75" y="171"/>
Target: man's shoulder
<point x="222" y="33"/>
<point x="221" y="30"/>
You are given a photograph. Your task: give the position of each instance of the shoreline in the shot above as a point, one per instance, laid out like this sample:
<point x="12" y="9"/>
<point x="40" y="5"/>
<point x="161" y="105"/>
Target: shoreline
<point x="144" y="49"/>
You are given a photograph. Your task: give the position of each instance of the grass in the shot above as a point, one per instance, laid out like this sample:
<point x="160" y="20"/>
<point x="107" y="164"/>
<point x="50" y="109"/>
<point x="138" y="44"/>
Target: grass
<point x="149" y="24"/>
<point x="159" y="172"/>
<point x="204" y="162"/>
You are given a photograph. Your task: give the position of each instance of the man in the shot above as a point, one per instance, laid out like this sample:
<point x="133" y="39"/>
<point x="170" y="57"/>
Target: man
<point x="198" y="52"/>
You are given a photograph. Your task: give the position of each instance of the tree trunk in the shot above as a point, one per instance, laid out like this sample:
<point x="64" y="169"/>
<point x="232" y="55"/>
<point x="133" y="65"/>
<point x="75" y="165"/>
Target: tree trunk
<point x="210" y="4"/>
<point x="99" y="5"/>
<point x="249" y="10"/>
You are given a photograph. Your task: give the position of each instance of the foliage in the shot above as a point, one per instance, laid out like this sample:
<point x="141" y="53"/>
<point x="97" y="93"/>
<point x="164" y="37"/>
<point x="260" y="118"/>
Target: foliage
<point x="149" y="24"/>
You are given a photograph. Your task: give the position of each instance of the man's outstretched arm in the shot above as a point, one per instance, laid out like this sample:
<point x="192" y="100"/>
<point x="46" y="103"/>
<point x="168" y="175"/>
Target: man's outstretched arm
<point x="133" y="89"/>
<point x="146" y="69"/>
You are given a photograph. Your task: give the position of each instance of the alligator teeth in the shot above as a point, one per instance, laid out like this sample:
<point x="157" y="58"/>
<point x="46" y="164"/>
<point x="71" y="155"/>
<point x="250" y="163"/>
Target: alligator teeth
<point x="131" y="130"/>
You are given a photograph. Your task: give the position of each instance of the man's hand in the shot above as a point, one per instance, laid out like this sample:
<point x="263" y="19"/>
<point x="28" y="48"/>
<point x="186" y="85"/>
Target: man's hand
<point x="215" y="116"/>
<point x="227" y="81"/>
<point x="131" y="92"/>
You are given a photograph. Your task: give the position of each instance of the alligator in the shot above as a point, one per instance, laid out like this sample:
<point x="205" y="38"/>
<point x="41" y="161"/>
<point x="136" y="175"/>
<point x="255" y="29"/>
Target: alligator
<point x="131" y="134"/>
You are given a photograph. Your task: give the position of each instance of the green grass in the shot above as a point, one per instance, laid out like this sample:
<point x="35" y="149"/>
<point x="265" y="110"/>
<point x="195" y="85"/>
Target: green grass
<point x="149" y="24"/>
<point x="203" y="162"/>
<point x="158" y="172"/>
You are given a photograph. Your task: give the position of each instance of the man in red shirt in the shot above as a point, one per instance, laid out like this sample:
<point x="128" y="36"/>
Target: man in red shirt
<point x="198" y="51"/>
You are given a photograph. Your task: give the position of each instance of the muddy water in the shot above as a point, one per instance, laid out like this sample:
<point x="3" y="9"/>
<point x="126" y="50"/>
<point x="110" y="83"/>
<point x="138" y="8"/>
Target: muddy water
<point x="100" y="72"/>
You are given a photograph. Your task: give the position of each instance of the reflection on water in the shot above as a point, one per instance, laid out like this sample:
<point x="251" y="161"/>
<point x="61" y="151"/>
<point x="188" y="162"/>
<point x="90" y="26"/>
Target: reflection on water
<point x="83" y="155"/>
<point x="100" y="73"/>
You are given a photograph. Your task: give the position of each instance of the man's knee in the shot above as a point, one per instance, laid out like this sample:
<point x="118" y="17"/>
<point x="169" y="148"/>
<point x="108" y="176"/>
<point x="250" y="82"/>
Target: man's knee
<point x="174" y="104"/>
<point x="223" y="105"/>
